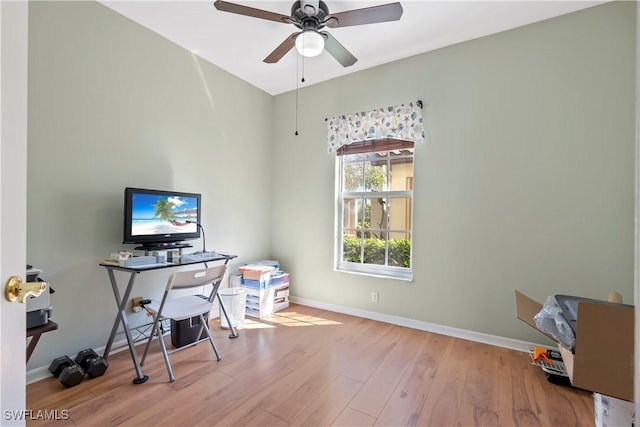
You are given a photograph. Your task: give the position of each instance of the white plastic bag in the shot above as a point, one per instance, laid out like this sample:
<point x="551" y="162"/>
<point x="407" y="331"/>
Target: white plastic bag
<point x="551" y="321"/>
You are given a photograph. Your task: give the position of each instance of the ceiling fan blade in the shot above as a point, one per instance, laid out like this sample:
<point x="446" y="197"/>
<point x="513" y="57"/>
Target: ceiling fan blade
<point x="225" y="6"/>
<point x="367" y="15"/>
<point x="281" y="50"/>
<point x="339" y="52"/>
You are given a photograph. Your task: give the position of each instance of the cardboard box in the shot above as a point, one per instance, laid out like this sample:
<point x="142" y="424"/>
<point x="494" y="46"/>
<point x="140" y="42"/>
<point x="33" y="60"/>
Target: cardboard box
<point x="260" y="273"/>
<point x="603" y="358"/>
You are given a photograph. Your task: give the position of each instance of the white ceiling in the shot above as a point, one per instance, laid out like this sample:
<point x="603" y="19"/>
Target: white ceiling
<point x="238" y="44"/>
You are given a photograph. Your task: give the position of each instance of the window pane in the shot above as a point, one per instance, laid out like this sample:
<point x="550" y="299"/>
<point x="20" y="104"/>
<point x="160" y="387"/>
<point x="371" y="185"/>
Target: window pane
<point x="353" y="158"/>
<point x="351" y="248"/>
<point x="400" y="250"/>
<point x="375" y="174"/>
<point x="398" y="235"/>
<point x="376" y="156"/>
<point x="353" y="177"/>
<point x="401" y="176"/>
<point x="399" y="213"/>
<point x="403" y="152"/>
<point x="377" y="215"/>
<point x="375" y="251"/>
<point x="352" y="215"/>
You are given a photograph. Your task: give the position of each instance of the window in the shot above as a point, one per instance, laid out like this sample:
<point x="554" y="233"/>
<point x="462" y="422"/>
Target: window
<point x="375" y="205"/>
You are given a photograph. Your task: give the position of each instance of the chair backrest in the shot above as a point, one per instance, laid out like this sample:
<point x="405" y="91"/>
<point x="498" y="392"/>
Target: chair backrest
<point x="194" y="278"/>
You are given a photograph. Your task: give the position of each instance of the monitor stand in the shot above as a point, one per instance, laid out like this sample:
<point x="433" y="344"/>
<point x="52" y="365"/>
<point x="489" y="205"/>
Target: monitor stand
<point x="162" y="246"/>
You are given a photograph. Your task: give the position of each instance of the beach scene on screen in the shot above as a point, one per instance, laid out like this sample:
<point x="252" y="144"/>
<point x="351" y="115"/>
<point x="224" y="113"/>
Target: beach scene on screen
<point x="154" y="214"/>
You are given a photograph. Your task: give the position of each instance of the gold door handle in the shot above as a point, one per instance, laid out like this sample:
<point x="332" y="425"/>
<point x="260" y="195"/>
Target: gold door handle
<point x="17" y="290"/>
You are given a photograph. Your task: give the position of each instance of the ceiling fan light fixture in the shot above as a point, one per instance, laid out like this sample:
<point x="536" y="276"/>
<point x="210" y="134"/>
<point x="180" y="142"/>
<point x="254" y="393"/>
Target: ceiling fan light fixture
<point x="310" y="43"/>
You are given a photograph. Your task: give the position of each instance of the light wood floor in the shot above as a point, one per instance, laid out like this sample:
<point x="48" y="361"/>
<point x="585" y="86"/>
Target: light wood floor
<point x="306" y="366"/>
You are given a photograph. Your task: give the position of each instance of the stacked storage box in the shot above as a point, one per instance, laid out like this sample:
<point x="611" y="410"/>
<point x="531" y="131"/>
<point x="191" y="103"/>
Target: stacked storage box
<point x="267" y="288"/>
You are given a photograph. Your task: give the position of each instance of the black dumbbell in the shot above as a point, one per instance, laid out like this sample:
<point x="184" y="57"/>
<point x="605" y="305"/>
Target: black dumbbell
<point x="92" y="364"/>
<point x="68" y="372"/>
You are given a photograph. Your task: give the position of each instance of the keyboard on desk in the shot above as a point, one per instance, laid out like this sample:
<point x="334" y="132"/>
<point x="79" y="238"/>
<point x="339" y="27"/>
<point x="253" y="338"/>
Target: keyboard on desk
<point x="151" y="265"/>
<point x="200" y="257"/>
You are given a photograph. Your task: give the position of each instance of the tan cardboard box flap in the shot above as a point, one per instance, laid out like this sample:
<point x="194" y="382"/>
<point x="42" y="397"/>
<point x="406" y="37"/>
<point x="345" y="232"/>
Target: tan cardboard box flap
<point x="567" y="359"/>
<point x="603" y="359"/>
<point x="526" y="309"/>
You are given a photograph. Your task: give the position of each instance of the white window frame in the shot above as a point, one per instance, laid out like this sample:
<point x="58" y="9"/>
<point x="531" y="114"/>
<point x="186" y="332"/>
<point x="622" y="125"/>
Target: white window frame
<point x="392" y="272"/>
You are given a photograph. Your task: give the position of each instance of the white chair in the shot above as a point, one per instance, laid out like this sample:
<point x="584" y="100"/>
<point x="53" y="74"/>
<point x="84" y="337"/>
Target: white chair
<point x="185" y="307"/>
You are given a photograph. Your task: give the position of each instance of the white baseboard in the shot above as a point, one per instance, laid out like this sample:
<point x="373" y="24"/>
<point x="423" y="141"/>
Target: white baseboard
<point x="480" y="337"/>
<point x="38" y="374"/>
<point x="42" y="372"/>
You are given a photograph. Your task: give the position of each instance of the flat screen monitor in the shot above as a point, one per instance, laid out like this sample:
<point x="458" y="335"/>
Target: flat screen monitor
<point x="160" y="218"/>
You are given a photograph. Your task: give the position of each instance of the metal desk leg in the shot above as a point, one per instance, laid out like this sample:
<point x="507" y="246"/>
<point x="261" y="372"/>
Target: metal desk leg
<point x="122" y="317"/>
<point x="116" y="321"/>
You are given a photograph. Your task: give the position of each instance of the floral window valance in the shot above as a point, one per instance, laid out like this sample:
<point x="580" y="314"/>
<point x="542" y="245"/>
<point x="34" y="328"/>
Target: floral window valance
<point x="402" y="121"/>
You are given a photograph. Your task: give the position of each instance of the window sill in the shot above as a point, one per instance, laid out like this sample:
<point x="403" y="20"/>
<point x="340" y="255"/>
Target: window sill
<point x="403" y="274"/>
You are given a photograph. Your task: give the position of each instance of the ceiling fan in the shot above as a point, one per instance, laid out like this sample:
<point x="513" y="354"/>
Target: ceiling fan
<point x="310" y="17"/>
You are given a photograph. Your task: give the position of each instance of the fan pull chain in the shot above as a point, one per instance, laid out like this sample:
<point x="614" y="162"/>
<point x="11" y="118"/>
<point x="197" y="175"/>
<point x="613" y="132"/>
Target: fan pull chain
<point x="302" y="67"/>
<point x="298" y="80"/>
<point x="297" y="68"/>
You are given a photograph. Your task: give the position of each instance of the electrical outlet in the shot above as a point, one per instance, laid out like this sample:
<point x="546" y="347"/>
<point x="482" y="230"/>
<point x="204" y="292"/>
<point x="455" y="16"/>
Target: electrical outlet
<point x="375" y="297"/>
<point x="135" y="304"/>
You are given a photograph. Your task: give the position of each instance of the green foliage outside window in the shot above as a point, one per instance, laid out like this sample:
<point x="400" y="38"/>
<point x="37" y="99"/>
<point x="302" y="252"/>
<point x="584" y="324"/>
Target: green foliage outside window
<point x="374" y="248"/>
<point x="374" y="179"/>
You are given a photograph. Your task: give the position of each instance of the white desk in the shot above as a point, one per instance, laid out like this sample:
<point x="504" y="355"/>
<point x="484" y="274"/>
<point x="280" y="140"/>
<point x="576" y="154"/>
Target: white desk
<point x="122" y="302"/>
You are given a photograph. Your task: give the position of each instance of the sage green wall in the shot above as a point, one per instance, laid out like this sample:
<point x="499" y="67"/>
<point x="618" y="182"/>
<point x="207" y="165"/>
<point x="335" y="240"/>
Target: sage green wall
<point x="112" y="104"/>
<point x="526" y="180"/>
